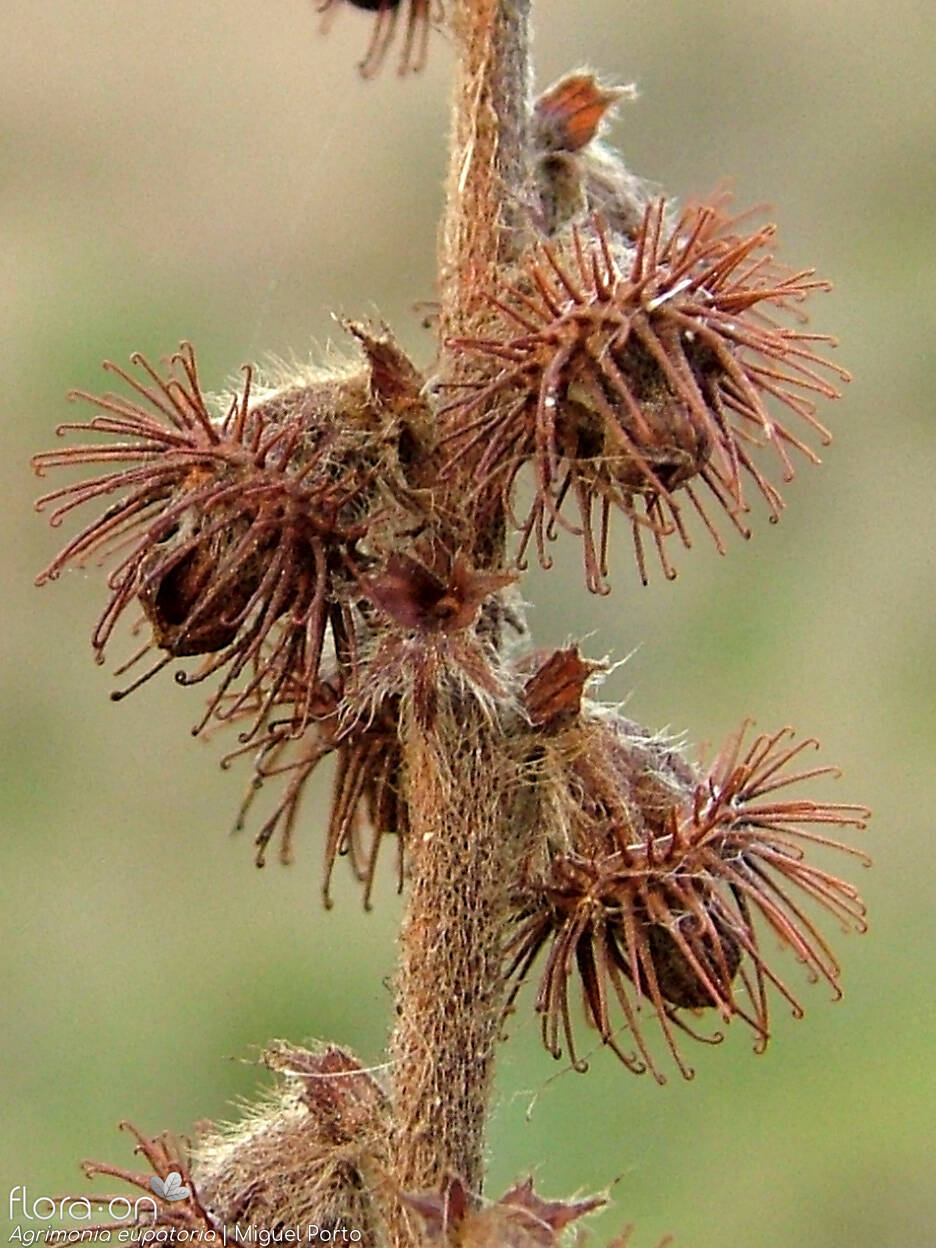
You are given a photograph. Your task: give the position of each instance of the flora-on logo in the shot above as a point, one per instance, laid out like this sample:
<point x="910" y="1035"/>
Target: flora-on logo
<point x="170" y="1188"/>
<point x="78" y="1208"/>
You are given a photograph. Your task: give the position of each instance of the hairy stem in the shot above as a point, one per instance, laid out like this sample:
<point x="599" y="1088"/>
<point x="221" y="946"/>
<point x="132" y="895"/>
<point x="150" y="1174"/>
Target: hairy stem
<point x="484" y="222"/>
<point x="450" y="984"/>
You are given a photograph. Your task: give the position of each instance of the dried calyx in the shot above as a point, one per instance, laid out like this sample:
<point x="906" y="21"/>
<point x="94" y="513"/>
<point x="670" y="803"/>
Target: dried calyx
<point x="647" y="879"/>
<point x="315" y="1153"/>
<point x="442" y="630"/>
<point x="520" y="1219"/>
<point x="575" y="172"/>
<point x="432" y="623"/>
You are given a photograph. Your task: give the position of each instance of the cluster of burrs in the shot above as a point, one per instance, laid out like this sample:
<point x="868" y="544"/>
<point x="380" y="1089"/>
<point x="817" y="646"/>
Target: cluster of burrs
<point x="327" y="546"/>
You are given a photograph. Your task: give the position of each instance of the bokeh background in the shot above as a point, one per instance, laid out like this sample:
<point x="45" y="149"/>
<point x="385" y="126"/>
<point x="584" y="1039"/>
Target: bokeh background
<point x="217" y="171"/>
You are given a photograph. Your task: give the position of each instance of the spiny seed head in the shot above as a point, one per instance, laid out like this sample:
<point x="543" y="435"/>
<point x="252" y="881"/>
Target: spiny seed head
<point x="315" y="1152"/>
<point x="631" y="376"/>
<point x="419" y="617"/>
<point x="415" y="17"/>
<point x="366" y="803"/>
<point x="649" y="876"/>
<point x="240" y="532"/>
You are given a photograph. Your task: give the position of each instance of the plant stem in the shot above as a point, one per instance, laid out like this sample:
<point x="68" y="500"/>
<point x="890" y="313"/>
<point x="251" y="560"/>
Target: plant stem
<point x="450" y="986"/>
<point x="484" y="222"/>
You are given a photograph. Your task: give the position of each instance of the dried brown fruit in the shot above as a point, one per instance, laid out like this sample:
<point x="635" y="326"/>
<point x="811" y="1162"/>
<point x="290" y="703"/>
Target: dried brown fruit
<point x="238" y="533"/>
<point x="630" y="375"/>
<point x="650" y="881"/>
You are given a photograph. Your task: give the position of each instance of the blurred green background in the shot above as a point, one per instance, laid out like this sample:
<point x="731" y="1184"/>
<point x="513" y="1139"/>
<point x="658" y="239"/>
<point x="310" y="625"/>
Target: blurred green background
<point x="218" y="171"/>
